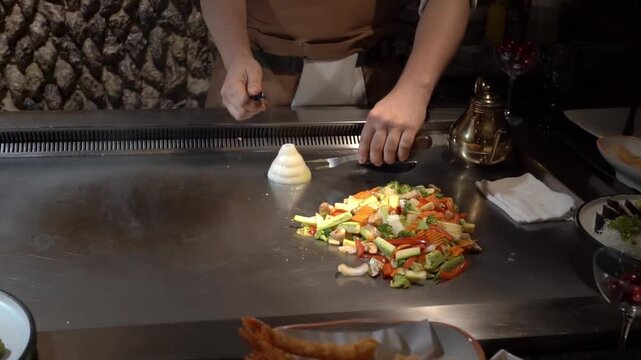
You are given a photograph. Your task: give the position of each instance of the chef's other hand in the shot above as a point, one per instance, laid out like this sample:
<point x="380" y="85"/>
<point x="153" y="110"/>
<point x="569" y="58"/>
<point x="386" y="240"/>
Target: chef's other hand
<point x="244" y="79"/>
<point x="391" y="127"/>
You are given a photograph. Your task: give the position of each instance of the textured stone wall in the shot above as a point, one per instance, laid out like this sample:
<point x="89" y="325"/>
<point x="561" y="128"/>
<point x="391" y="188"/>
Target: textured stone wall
<point x="103" y="54"/>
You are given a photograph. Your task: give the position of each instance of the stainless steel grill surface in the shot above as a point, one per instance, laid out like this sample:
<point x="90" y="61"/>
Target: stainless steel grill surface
<point x="122" y="241"/>
<point x="102" y="242"/>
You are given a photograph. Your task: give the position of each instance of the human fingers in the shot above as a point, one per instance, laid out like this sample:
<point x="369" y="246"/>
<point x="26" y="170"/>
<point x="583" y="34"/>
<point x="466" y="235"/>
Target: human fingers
<point x="376" y="147"/>
<point x="363" y="147"/>
<point x="391" y="145"/>
<point x="234" y="110"/>
<point x="405" y="144"/>
<point x="254" y="75"/>
<point x="238" y="103"/>
<point x="234" y="91"/>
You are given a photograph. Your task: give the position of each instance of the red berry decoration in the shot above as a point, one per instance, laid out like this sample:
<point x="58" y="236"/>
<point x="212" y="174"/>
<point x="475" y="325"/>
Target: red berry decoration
<point x="615" y="289"/>
<point x="634" y="295"/>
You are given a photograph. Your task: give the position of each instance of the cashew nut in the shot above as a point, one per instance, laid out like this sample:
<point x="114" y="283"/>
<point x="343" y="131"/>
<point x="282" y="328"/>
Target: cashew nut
<point x="353" y="271"/>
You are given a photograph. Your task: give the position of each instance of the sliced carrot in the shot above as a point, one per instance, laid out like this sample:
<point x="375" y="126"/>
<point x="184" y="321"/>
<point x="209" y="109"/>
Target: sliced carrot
<point x="363" y="194"/>
<point x="442" y="232"/>
<point x="450" y="203"/>
<point x="470" y="246"/>
<point x="362" y="214"/>
<point x="437" y="214"/>
<point x="433" y="237"/>
<point x="430" y="236"/>
<point x="421" y="234"/>
<point x="456" y="250"/>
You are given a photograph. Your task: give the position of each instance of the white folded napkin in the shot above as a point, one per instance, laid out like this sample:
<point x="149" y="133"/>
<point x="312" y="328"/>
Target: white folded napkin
<point x="526" y="199"/>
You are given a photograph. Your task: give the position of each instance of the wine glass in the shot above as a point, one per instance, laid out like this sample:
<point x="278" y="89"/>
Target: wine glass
<point x="618" y="278"/>
<point x="514" y="59"/>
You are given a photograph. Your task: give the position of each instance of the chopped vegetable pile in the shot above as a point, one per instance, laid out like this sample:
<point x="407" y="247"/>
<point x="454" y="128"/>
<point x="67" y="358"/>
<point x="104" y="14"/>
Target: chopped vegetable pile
<point x="407" y="234"/>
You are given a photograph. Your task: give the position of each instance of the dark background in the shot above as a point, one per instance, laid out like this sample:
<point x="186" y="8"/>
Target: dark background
<point x="139" y="54"/>
<point x="594" y="62"/>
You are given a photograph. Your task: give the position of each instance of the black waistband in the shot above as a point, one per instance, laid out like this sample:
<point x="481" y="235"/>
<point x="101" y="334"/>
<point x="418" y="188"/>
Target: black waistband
<point x="286" y="65"/>
<point x="293" y="65"/>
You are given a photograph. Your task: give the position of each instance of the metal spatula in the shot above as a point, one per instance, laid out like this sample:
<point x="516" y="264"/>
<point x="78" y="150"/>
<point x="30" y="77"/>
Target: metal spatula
<point x="422" y="141"/>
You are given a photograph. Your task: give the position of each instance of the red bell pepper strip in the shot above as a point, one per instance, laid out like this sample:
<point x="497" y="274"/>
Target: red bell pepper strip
<point x="409" y="262"/>
<point x="360" y="249"/>
<point x="411" y="241"/>
<point x="387" y="270"/>
<point x="421" y="259"/>
<point x="449" y="275"/>
<point x="336" y="212"/>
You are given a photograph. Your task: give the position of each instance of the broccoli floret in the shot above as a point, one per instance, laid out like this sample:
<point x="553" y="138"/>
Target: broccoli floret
<point x="422" y="190"/>
<point x="408" y="207"/>
<point x="431" y="220"/>
<point x="422" y="225"/>
<point x="416" y="266"/>
<point x="405" y="233"/>
<point x="400" y="188"/>
<point x="323" y="235"/>
<point x="386" y="231"/>
<point x="399" y="282"/>
<point x="393" y="185"/>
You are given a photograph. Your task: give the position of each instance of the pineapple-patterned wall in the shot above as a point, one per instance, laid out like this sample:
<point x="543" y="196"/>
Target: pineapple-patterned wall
<point x="103" y="54"/>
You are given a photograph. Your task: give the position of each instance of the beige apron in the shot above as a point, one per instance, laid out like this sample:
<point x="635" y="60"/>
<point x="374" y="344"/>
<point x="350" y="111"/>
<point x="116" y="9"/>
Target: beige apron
<point x="326" y="34"/>
<point x="331" y="82"/>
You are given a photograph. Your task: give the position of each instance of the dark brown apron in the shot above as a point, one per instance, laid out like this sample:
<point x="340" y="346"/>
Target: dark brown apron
<point x="284" y="32"/>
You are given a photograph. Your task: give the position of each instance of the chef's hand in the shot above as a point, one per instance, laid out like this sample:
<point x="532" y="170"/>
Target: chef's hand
<point x="392" y="126"/>
<point x="244" y="79"/>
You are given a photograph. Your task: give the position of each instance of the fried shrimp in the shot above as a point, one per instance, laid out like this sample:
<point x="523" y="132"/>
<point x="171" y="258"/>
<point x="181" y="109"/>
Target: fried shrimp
<point x="262" y="338"/>
<point x="262" y="349"/>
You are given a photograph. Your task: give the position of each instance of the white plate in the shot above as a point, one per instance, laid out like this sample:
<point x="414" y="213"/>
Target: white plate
<point x="627" y="174"/>
<point x="455" y="343"/>
<point x="504" y="355"/>
<point x="605" y="121"/>
<point x="17" y="329"/>
<point x="586" y="218"/>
